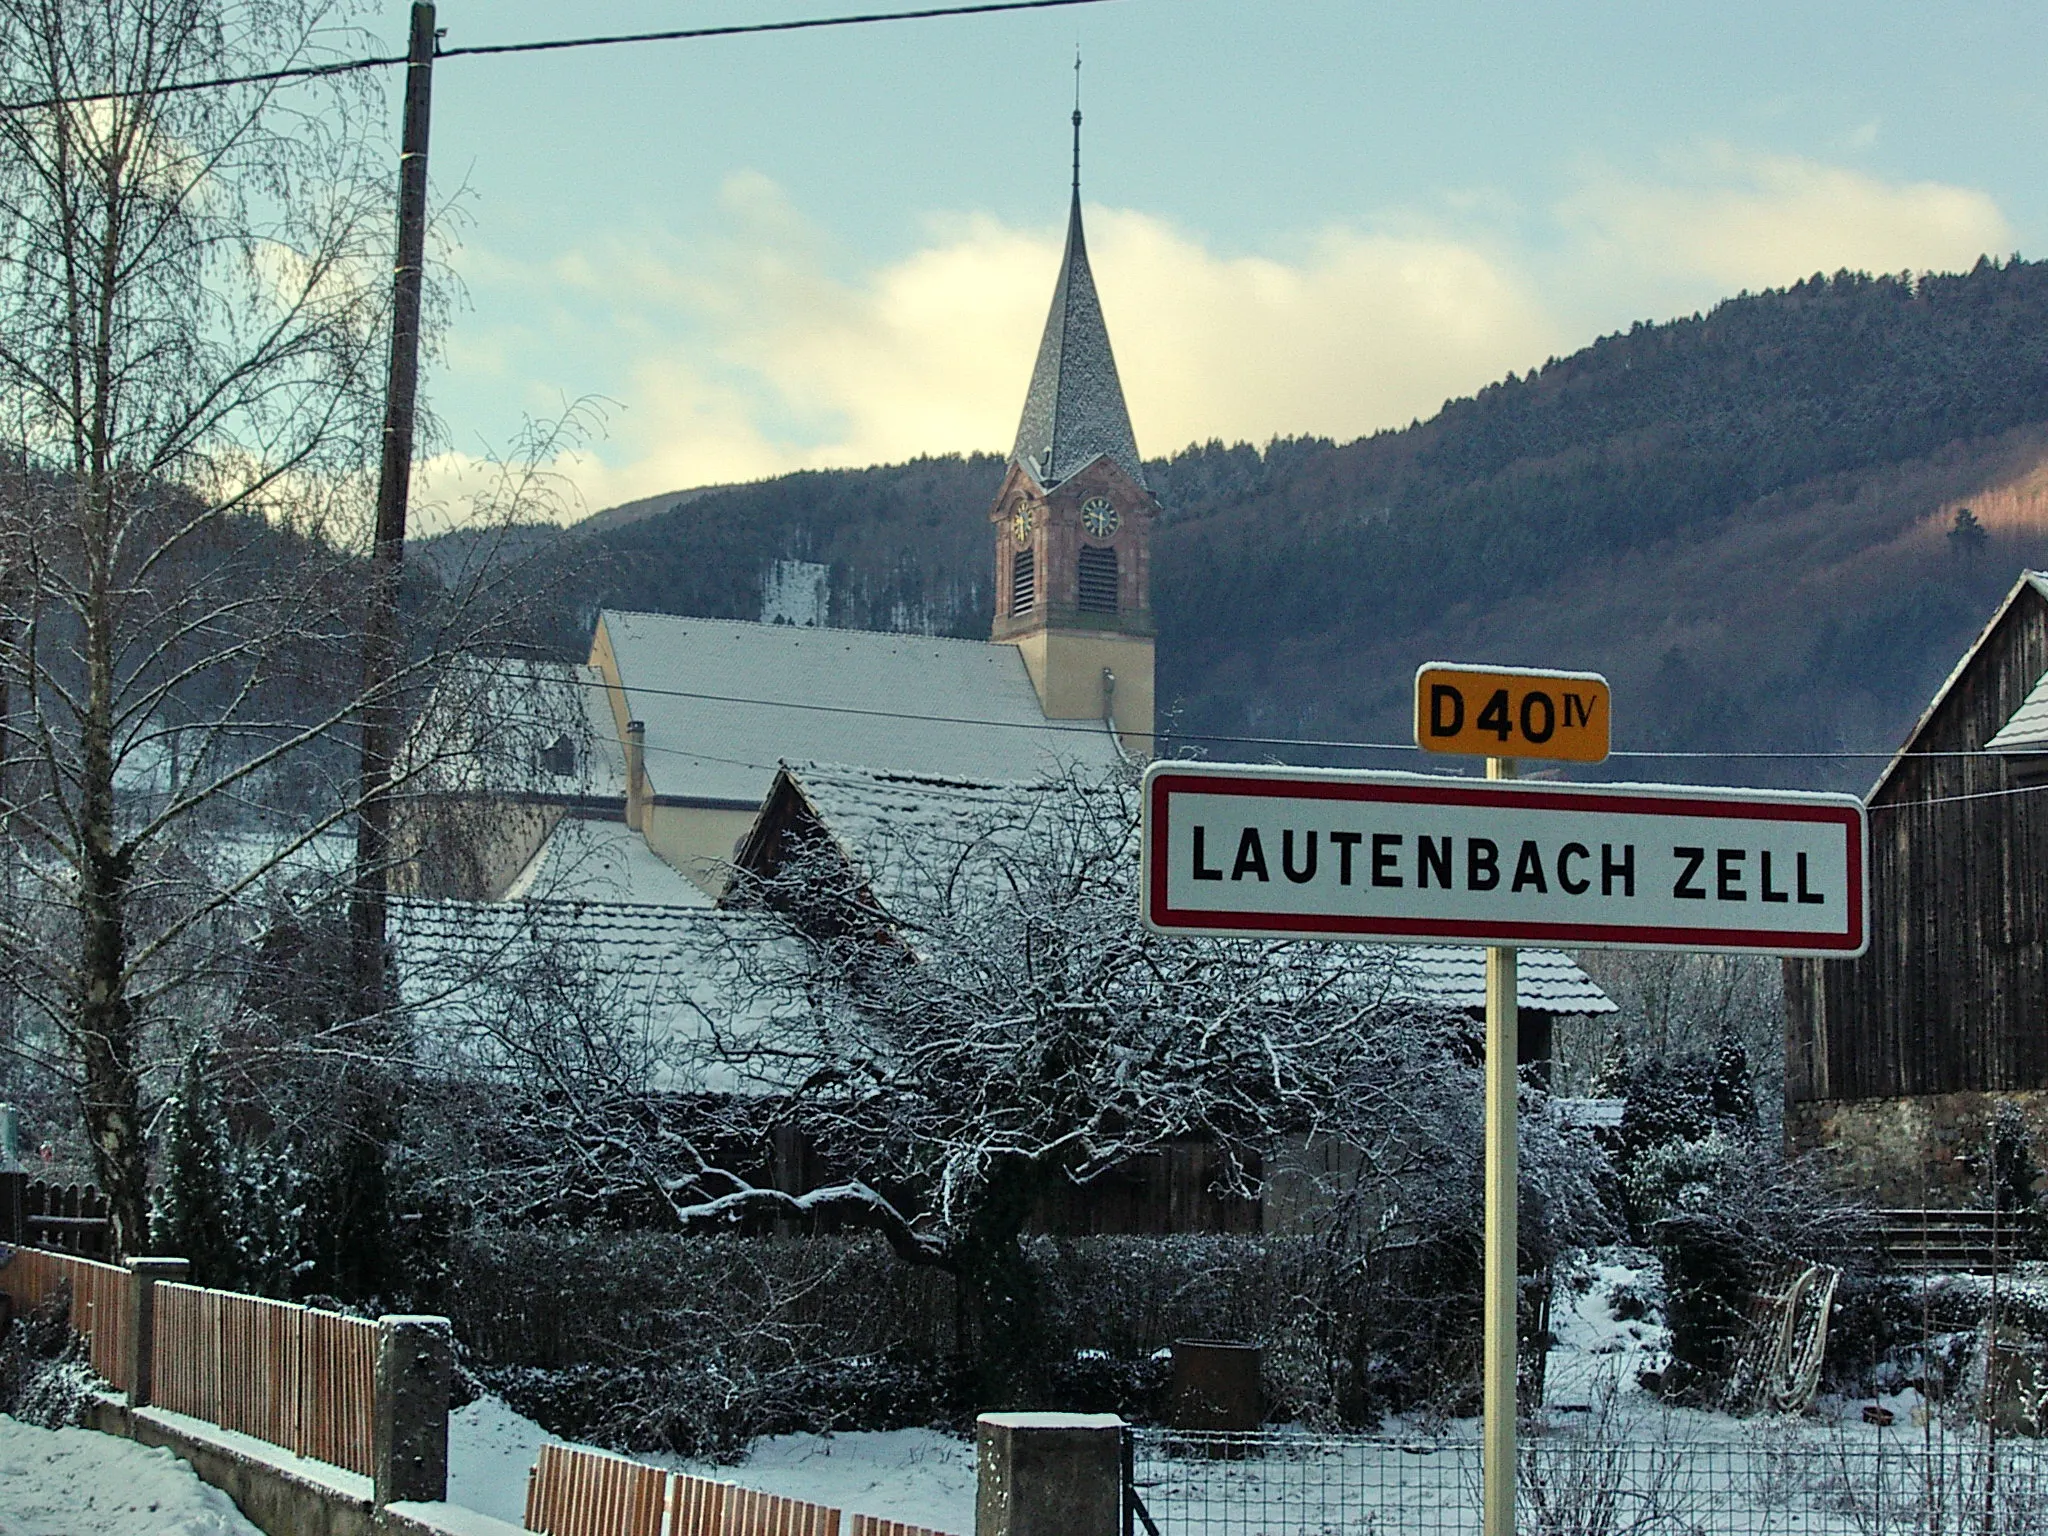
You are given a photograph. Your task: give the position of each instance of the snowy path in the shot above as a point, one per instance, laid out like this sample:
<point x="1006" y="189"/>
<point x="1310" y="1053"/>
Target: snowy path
<point x="79" y="1482"/>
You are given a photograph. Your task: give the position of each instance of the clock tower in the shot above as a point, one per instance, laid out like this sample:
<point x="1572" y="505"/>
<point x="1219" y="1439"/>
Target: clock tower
<point x="1073" y="520"/>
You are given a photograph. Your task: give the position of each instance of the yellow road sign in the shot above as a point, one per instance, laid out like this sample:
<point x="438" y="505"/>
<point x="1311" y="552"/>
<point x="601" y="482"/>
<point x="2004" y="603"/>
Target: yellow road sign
<point x="1512" y="712"/>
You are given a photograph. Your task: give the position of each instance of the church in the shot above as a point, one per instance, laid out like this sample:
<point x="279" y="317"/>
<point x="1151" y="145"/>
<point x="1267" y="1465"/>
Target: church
<point x="684" y="747"/>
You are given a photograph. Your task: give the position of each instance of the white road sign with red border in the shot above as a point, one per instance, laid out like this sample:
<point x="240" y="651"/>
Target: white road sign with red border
<point x="1326" y="853"/>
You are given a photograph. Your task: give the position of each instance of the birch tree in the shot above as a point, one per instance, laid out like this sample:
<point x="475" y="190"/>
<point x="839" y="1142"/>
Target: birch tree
<point x="192" y="289"/>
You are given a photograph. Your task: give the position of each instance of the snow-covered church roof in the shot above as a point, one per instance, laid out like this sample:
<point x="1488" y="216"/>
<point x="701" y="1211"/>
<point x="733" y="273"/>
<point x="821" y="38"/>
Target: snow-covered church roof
<point x="1074" y="412"/>
<point x="725" y="701"/>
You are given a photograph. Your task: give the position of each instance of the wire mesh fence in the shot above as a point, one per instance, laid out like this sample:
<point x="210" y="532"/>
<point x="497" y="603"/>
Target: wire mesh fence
<point x="1787" y="1482"/>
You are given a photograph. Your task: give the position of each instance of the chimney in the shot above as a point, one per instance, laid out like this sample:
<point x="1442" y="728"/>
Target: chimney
<point x="636" y="775"/>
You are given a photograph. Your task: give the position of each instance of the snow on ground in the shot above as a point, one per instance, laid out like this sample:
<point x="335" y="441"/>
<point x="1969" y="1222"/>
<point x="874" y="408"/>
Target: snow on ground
<point x="490" y="1448"/>
<point x="1811" y="1476"/>
<point x="79" y="1482"/>
<point x="918" y="1476"/>
<point x="1607" y="1317"/>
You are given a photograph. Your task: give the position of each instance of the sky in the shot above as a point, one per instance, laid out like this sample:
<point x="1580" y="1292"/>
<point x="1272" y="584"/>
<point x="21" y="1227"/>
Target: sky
<point x="725" y="259"/>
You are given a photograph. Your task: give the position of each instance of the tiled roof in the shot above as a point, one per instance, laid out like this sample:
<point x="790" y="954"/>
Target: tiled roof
<point x="669" y="981"/>
<point x="907" y="832"/>
<point x="1455" y="975"/>
<point x="1074" y="411"/>
<point x="725" y="701"/>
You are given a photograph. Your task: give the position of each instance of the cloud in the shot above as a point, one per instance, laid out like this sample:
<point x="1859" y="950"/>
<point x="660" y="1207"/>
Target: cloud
<point x="1739" y="220"/>
<point x="766" y="353"/>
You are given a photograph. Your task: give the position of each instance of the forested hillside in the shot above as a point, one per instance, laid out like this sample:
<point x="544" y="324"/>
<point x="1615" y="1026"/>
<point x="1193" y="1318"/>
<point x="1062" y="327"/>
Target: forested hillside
<point x="1742" y="517"/>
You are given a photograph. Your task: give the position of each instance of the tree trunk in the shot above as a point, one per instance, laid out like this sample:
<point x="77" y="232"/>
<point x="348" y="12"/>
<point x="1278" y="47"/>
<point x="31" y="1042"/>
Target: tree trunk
<point x="105" y="1018"/>
<point x="1001" y="1303"/>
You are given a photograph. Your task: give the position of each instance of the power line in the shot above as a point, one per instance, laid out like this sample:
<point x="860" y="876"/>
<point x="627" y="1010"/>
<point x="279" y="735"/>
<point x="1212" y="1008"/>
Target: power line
<point x="552" y="45"/>
<point x="805" y="25"/>
<point x="1095" y="728"/>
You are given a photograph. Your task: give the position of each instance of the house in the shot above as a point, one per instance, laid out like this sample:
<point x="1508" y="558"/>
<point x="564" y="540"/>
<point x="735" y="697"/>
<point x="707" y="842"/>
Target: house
<point x="695" y="997"/>
<point x="1898" y="1061"/>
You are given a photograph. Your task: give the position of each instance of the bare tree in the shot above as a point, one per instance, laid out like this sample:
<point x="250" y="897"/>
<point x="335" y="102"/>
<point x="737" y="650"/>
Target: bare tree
<point x="192" y="289"/>
<point x="960" y="1018"/>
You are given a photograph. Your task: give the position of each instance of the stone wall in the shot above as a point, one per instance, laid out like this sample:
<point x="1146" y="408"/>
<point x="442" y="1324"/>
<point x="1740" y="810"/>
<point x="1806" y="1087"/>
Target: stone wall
<point x="1904" y="1152"/>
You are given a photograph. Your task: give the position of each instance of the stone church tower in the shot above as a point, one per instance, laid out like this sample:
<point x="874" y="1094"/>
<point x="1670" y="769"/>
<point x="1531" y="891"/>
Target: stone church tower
<point x="1073" y="520"/>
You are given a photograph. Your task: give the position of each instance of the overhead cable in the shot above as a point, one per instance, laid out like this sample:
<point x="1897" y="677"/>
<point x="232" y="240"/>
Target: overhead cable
<point x="550" y="45"/>
<point x="1094" y="728"/>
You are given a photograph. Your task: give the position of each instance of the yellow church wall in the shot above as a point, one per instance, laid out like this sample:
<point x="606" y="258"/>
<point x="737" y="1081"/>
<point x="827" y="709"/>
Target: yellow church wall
<point x="697" y="841"/>
<point x="1066" y="668"/>
<point x="606" y="661"/>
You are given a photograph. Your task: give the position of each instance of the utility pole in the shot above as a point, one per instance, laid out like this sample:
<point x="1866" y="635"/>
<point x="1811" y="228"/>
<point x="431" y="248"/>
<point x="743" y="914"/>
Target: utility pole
<point x="382" y="641"/>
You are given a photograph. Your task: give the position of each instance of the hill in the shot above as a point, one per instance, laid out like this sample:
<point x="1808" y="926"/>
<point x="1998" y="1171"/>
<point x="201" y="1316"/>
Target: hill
<point x="1740" y="516"/>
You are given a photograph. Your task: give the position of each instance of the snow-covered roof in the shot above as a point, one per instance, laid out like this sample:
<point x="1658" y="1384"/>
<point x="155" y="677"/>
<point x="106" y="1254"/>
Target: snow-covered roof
<point x="673" y="984"/>
<point x="909" y="832"/>
<point x="1592" y="1114"/>
<point x="906" y="831"/>
<point x="2027" y="730"/>
<point x="725" y="701"/>
<point x="1074" y="412"/>
<point x="1546" y="979"/>
<point x="508" y="725"/>
<point x="584" y="860"/>
<point x="2035" y="581"/>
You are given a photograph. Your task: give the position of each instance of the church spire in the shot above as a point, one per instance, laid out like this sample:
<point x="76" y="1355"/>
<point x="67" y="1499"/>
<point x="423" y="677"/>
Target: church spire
<point x="1074" y="411"/>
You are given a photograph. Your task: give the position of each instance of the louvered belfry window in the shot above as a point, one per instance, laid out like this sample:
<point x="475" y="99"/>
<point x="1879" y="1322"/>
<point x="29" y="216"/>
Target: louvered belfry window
<point x="1023" y="581"/>
<point x="1098" y="579"/>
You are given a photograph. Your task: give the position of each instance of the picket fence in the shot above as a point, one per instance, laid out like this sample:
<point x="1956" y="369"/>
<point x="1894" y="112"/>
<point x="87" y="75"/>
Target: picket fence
<point x="572" y="1492"/>
<point x="101" y="1296"/>
<point x="298" y="1377"/>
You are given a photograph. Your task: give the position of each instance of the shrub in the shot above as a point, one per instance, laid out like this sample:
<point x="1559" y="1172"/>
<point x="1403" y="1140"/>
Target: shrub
<point x="44" y="1377"/>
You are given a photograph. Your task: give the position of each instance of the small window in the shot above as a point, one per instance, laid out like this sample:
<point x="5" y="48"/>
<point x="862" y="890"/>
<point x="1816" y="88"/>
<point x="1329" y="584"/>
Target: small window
<point x="1098" y="579"/>
<point x="1023" y="581"/>
<point x="559" y="756"/>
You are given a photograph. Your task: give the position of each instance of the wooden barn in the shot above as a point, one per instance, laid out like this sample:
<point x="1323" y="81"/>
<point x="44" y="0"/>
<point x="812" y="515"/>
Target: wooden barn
<point x="1897" y="1062"/>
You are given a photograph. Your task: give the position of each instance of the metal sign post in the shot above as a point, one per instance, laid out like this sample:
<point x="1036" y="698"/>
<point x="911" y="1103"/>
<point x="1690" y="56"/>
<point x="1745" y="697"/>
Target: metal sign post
<point x="1321" y="853"/>
<point x="1503" y="1240"/>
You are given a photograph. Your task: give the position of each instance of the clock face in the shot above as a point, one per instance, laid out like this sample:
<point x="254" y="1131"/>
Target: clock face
<point x="1020" y="525"/>
<point x="1098" y="518"/>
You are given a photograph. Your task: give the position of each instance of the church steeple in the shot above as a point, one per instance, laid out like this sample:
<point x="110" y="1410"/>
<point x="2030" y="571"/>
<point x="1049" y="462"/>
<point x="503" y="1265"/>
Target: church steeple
<point x="1074" y="411"/>
<point x="1073" y="519"/>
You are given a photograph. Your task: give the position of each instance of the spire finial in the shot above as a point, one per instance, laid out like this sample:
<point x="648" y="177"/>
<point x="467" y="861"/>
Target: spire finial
<point x="1077" y="121"/>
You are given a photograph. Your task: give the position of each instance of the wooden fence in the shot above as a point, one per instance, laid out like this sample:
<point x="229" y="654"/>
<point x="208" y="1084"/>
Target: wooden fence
<point x="101" y="1295"/>
<point x="573" y="1492"/>
<point x="296" y="1376"/>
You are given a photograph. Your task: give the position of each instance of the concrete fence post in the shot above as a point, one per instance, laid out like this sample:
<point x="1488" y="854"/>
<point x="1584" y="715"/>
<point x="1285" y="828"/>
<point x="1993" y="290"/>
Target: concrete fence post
<point x="144" y="1275"/>
<point x="415" y="1362"/>
<point x="1049" y="1474"/>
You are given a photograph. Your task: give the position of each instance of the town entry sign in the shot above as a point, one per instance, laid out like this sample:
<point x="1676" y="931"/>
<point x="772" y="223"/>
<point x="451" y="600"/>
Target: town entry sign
<point x="1509" y="712"/>
<point x="1328" y="853"/>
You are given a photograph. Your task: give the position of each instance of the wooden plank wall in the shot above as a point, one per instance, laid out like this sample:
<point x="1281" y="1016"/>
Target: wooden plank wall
<point x="574" y="1492"/>
<point x="101" y="1295"/>
<point x="1952" y="995"/>
<point x="297" y="1377"/>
